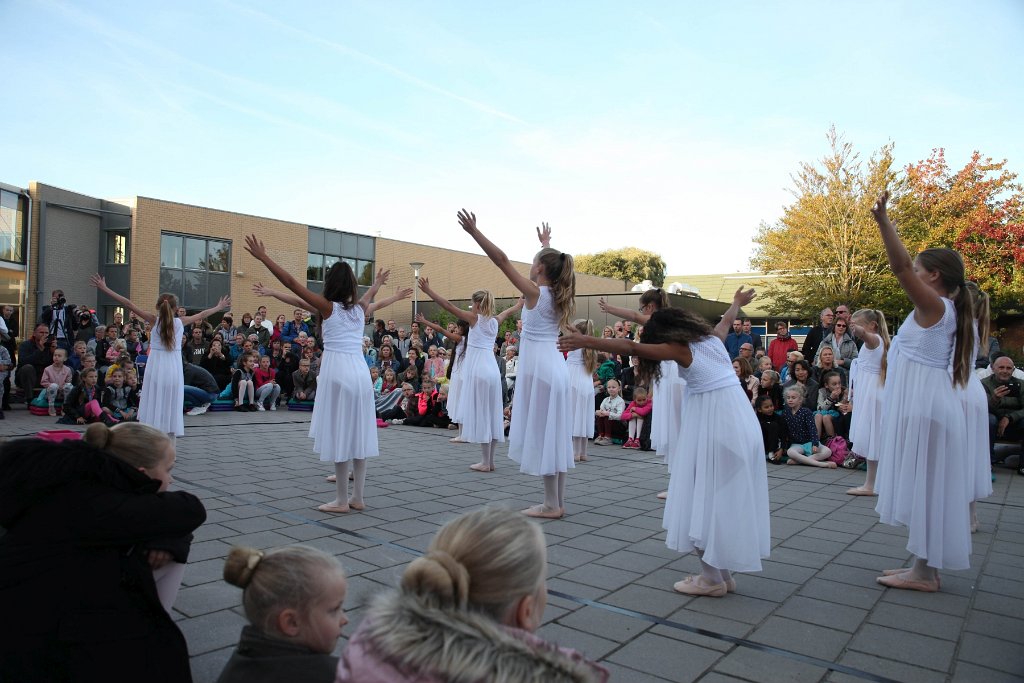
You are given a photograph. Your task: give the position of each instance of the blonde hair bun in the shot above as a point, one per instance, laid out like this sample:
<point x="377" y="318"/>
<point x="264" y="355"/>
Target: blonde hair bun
<point x="439" y="575"/>
<point x="241" y="564"/>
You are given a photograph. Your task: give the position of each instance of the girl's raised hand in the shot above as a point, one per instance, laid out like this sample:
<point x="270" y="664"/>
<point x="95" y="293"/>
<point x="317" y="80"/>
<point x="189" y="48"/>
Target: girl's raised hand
<point x="879" y="210"/>
<point x="544" y="235"/>
<point x="382" y="277"/>
<point x="424" y="284"/>
<point x="224" y="303"/>
<point x="259" y="290"/>
<point x="743" y="297"/>
<point x="98" y="281"/>
<point x="467" y="220"/>
<point x="254" y="246"/>
<point x="403" y="293"/>
<point x="602" y="303"/>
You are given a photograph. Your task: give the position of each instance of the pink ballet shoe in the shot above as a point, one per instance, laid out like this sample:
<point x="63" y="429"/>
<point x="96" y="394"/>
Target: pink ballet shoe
<point x="480" y="467"/>
<point x="860" y="491"/>
<point x="543" y="512"/>
<point x="663" y="495"/>
<point x="334" y="509"/>
<point x="356" y="506"/>
<point x="694" y="585"/>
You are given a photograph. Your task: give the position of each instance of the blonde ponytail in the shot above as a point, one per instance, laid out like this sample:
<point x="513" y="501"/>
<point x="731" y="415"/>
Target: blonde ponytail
<point x="558" y="266"/>
<point x="586" y="327"/>
<point x="167" y="306"/>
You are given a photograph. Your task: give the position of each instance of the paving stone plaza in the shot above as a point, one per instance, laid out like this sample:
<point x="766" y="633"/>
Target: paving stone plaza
<point x="814" y="614"/>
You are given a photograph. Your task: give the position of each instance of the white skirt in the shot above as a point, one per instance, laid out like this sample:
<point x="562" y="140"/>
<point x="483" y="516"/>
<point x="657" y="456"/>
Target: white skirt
<point x="162" y="403"/>
<point x="540" y="435"/>
<point x="922" y="468"/>
<point x="344" y="424"/>
<point x="667" y="411"/>
<point x="718" y="488"/>
<point x="975" y="405"/>
<point x="454" y="402"/>
<point x="866" y="418"/>
<point x="479" y="397"/>
<point x="581" y="397"/>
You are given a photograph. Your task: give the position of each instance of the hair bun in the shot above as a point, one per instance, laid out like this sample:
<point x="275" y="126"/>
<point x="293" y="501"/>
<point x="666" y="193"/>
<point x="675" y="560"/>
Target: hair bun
<point x="440" y="576"/>
<point x="97" y="435"/>
<point x="241" y="565"/>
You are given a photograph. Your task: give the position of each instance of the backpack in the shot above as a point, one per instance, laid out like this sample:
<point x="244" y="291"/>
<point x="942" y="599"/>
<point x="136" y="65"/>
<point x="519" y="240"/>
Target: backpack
<point x="840" y="449"/>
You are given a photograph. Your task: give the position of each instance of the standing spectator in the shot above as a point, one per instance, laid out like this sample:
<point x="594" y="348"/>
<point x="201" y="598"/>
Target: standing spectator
<point x="34" y="356"/>
<point x="737" y="338"/>
<point x="61" y="320"/>
<point x="756" y="340"/>
<point x="86" y="325"/>
<point x="817" y="333"/>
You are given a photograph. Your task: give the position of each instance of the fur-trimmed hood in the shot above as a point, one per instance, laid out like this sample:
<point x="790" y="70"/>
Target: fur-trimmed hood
<point x="403" y="640"/>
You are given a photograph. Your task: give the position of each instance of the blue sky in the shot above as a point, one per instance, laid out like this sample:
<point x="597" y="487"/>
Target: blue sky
<point x="669" y="126"/>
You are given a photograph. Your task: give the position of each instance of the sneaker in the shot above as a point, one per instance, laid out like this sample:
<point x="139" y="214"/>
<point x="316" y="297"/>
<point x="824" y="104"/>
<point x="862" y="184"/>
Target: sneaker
<point x="194" y="411"/>
<point x="628" y="443"/>
<point x="273" y="406"/>
<point x="397" y="421"/>
<point x="634" y="444"/>
<point x="260" y="408"/>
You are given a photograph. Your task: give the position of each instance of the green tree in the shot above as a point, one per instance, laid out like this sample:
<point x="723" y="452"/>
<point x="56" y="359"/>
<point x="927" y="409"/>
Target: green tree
<point x="629" y="263"/>
<point x="826" y="248"/>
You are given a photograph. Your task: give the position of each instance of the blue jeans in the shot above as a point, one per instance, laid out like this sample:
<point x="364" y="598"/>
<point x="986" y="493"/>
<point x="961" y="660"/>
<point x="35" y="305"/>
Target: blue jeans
<point x="194" y="396"/>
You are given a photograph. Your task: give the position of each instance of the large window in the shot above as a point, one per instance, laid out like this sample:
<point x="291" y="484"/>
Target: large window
<point x="195" y="269"/>
<point x="12" y="227"/>
<point x="117" y="247"/>
<point x="327" y="247"/>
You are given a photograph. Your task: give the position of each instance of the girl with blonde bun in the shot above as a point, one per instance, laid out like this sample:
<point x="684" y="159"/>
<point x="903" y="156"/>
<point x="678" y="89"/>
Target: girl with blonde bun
<point x="466" y="611"/>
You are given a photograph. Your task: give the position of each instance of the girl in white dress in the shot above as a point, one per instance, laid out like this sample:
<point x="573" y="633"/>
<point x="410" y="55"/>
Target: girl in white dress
<point x="344" y="423"/>
<point x="718" y="487"/>
<point x="922" y="470"/>
<point x="163" y="398"/>
<point x="867" y="380"/>
<point x="540" y="435"/>
<point x="453" y="371"/>
<point x="479" y="381"/>
<point x="582" y="364"/>
<point x="669" y="388"/>
<point x="975" y="403"/>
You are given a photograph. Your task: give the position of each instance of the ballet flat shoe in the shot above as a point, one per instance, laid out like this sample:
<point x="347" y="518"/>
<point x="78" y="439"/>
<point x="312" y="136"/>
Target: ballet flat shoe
<point x="689" y="586"/>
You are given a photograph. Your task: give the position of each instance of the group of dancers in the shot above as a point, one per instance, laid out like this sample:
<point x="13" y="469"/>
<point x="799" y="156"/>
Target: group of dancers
<point x="717" y="501"/>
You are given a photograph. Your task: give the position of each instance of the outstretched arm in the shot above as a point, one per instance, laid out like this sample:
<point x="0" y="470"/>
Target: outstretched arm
<point x="467" y="316"/>
<point x="529" y="288"/>
<point x="740" y="299"/>
<point x="510" y="310"/>
<point x="397" y="296"/>
<point x="260" y="290"/>
<point x="100" y="283"/>
<point x="254" y="246"/>
<point x="927" y="302"/>
<point x="624" y="313"/>
<point x="379" y="281"/>
<point x="871" y="340"/>
<point x="570" y="341"/>
<point x="222" y="305"/>
<point x="454" y="336"/>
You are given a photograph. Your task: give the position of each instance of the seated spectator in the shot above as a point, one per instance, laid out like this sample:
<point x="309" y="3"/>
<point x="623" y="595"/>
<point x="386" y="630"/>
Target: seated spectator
<point x="466" y="611"/>
<point x="379" y="330"/>
<point x="294" y="326"/>
<point x="607" y="368"/>
<point x="747" y="353"/>
<point x="609" y="412"/>
<point x="201" y="389"/>
<point x="123" y="363"/>
<point x="57" y="380"/>
<point x="428" y="412"/>
<point x="403" y="343"/>
<point x="369" y="353"/>
<point x="802" y="378"/>
<point x="103" y="347"/>
<point x="119" y="401"/>
<point x="741" y="366"/>
<point x="82" y="404"/>
<point x="131" y="380"/>
<point x="75" y="359"/>
<point x="773" y="429"/>
<point x="236" y="348"/>
<point x="631" y="379"/>
<point x="243" y="388"/>
<point x="405" y="407"/>
<point x="248" y="347"/>
<point x="303" y="382"/>
<point x="196" y="347"/>
<point x="1005" y="404"/>
<point x="389" y="394"/>
<point x="293" y="600"/>
<point x="286" y="363"/>
<point x="511" y="366"/>
<point x="133" y="343"/>
<point x="309" y="353"/>
<point x="509" y="340"/>
<point x="434" y="364"/>
<point x="226" y="328"/>
<point x="277" y="334"/>
<point x="88" y="583"/>
<point x="34" y="356"/>
<point x="763" y="363"/>
<point x="804" y="448"/>
<point x="769" y="386"/>
<point x="791" y="358"/>
<point x="100" y="334"/>
<point x="829" y="397"/>
<point x="268" y="391"/>
<point x="246" y="326"/>
<point x="5" y="371"/>
<point x="411" y="375"/>
<point x="431" y="338"/>
<point x="415" y="359"/>
<point x="114" y="353"/>
<point x="825" y="364"/>
<point x="217" y="363"/>
<point x="842" y="343"/>
<point x="376" y="382"/>
<point x="638" y="410"/>
<point x="261" y="332"/>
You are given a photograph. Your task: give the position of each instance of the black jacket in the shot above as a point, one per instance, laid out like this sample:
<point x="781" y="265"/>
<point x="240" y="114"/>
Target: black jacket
<point x="260" y="659"/>
<point x="76" y="593"/>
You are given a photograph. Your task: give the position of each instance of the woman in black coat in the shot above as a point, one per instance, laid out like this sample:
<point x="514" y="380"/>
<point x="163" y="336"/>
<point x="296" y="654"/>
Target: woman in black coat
<point x="84" y="530"/>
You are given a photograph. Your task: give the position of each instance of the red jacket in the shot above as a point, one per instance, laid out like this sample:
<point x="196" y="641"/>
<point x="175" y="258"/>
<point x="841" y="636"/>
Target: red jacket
<point x="779" y="349"/>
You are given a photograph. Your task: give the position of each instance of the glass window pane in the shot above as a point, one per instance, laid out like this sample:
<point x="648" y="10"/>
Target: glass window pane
<point x="316" y="240"/>
<point x="11" y="227"/>
<point x="315" y="267"/>
<point x="354" y="265"/>
<point x="117" y="248"/>
<point x="364" y="275"/>
<point x="219" y="259"/>
<point x="332" y="242"/>
<point x="170" y="251"/>
<point x="219" y="285"/>
<point x="329" y="260"/>
<point x="170" y="282"/>
<point x="195" y="290"/>
<point x="366" y="246"/>
<point x="195" y="253"/>
<point x="349" y="245"/>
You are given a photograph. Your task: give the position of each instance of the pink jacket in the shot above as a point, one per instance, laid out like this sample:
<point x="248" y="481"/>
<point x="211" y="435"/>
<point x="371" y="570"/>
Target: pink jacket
<point x="53" y="376"/>
<point x="636" y="410"/>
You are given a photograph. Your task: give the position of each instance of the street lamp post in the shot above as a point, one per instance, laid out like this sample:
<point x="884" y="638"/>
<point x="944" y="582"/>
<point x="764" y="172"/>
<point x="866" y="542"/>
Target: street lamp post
<point x="416" y="265"/>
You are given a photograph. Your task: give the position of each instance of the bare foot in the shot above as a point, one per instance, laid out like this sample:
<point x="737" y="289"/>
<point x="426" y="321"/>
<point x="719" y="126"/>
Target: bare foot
<point x="663" y="495"/>
<point x="544" y="512"/>
<point x="584" y="458"/>
<point x="480" y="467"/>
<point x="828" y="464"/>
<point x="333" y="479"/>
<point x="333" y="507"/>
<point x="356" y="506"/>
<point x="457" y="439"/>
<point x="576" y="458"/>
<point x="860" y="491"/>
<point x="907" y="581"/>
<point x="791" y="461"/>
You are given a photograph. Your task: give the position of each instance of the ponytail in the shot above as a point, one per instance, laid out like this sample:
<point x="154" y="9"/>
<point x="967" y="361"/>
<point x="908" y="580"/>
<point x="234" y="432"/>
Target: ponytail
<point x="558" y="266"/>
<point x="166" y="308"/>
<point x="586" y="327"/>
<point x="963" y="353"/>
<point x="982" y="312"/>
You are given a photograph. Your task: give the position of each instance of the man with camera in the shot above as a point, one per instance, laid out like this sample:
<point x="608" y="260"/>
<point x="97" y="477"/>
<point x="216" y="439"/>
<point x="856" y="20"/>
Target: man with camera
<point x="61" y="319"/>
<point x="1005" y="407"/>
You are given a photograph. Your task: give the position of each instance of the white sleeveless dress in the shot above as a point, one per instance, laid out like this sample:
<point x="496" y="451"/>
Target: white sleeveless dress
<point x="975" y="406"/>
<point x="344" y="424"/>
<point x="922" y="467"/>
<point x="162" y="403"/>
<point x="669" y="393"/>
<point x="479" y="391"/>
<point x="581" y="395"/>
<point x="540" y="435"/>
<point x="718" y="488"/>
<point x="866" y="387"/>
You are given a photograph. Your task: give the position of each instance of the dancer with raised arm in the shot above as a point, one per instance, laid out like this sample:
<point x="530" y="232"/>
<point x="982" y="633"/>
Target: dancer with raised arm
<point x="718" y="486"/>
<point x="163" y="398"/>
<point x="922" y="472"/>
<point x="582" y="363"/>
<point x="540" y="435"/>
<point x="344" y="423"/>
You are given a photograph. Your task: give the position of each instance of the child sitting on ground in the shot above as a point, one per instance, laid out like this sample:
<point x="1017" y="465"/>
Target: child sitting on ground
<point x="118" y="401"/>
<point x="242" y="382"/>
<point x="804" y="449"/>
<point x="57" y="380"/>
<point x="610" y="411"/>
<point x="82" y="405"/>
<point x="634" y="415"/>
<point x="773" y="429"/>
<point x="830" y="395"/>
<point x="406" y="406"/>
<point x="268" y="391"/>
<point x="769" y="386"/>
<point x="293" y="598"/>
